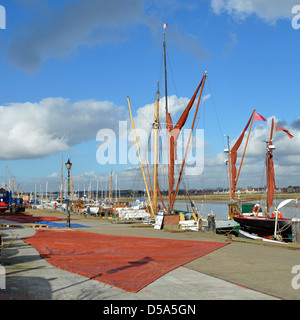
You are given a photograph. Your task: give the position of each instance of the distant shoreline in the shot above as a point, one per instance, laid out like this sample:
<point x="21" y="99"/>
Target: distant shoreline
<point x="244" y="196"/>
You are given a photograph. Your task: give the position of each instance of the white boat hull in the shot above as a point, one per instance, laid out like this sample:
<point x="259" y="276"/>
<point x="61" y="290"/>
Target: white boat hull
<point x="255" y="237"/>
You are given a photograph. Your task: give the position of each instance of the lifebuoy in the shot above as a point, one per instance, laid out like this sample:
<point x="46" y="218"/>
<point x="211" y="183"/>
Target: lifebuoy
<point x="279" y="214"/>
<point x="257" y="207"/>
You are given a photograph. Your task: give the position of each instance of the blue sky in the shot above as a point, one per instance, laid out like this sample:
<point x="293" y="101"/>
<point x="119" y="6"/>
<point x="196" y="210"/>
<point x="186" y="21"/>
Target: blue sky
<point x="68" y="66"/>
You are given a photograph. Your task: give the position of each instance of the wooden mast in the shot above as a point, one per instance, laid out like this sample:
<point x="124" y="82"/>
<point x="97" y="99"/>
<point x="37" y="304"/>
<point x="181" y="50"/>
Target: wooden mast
<point x="230" y="215"/>
<point x="168" y="133"/>
<point x="233" y="156"/>
<point x="110" y="182"/>
<point x="72" y="186"/>
<point x="140" y="158"/>
<point x="246" y="145"/>
<point x="229" y="167"/>
<point x="165" y="64"/>
<point x="155" y="165"/>
<point x="270" y="169"/>
<point x="61" y="180"/>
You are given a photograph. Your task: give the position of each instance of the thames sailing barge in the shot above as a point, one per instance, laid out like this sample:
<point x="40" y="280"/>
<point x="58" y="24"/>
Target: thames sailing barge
<point x="271" y="225"/>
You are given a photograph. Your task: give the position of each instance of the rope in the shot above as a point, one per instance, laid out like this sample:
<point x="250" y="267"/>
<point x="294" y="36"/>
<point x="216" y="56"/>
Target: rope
<point x="219" y="125"/>
<point x="142" y="112"/>
<point x="14" y="238"/>
<point x="174" y="83"/>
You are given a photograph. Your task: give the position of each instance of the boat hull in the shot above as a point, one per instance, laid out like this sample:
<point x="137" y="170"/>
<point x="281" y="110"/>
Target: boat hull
<point x="264" y="226"/>
<point x="227" y="226"/>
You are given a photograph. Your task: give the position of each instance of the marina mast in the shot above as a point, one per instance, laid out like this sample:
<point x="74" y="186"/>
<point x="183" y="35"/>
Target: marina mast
<point x="168" y="125"/>
<point x="156" y="129"/>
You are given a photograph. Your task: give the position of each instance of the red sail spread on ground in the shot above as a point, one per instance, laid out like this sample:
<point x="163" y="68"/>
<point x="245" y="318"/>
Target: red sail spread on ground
<point x="129" y="263"/>
<point x="24" y="217"/>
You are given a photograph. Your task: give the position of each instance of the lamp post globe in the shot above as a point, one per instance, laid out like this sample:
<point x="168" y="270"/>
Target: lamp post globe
<point x="68" y="165"/>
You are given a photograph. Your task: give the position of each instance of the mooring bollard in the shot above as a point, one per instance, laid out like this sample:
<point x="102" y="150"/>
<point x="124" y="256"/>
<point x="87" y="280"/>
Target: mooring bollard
<point x="296" y="230"/>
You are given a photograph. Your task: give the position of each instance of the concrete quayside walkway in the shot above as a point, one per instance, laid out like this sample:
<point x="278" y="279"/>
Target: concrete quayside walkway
<point x="238" y="271"/>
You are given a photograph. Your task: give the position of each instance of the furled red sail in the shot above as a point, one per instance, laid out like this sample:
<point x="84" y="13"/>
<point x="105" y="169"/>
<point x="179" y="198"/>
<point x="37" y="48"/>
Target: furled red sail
<point x="171" y="157"/>
<point x="182" y="120"/>
<point x="173" y="135"/>
<point x="270" y="166"/>
<point x="233" y="156"/>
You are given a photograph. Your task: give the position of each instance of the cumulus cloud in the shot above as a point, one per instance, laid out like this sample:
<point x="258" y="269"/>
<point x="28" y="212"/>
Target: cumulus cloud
<point x="53" y="175"/>
<point x="33" y="130"/>
<point x="268" y="10"/>
<point x="253" y="172"/>
<point x="286" y="154"/>
<point x="145" y="115"/>
<point x="58" y="31"/>
<point x="144" y="119"/>
<point x="215" y="174"/>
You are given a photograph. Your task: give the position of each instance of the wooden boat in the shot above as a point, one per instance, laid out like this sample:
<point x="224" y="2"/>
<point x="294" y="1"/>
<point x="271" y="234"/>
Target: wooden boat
<point x="272" y="224"/>
<point x="265" y="226"/>
<point x="3" y="207"/>
<point x="169" y="213"/>
<point x="173" y="133"/>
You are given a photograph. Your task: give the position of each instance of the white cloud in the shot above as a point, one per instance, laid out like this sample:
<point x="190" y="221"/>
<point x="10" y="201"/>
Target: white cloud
<point x="33" y="130"/>
<point x="253" y="172"/>
<point x="53" y="175"/>
<point x="268" y="10"/>
<point x="215" y="174"/>
<point x="145" y="115"/>
<point x="286" y="155"/>
<point x="47" y="127"/>
<point x="145" y="118"/>
<point x="57" y="32"/>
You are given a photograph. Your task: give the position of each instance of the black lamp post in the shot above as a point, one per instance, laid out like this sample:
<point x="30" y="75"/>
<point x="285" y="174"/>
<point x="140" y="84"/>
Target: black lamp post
<point x="68" y="166"/>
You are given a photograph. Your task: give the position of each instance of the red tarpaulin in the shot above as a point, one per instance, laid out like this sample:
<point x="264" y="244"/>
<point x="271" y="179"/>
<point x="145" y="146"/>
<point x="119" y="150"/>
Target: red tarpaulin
<point x="26" y="218"/>
<point x="130" y="263"/>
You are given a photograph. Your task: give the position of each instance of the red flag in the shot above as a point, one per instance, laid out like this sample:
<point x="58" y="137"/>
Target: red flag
<point x="259" y="117"/>
<point x="277" y="128"/>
